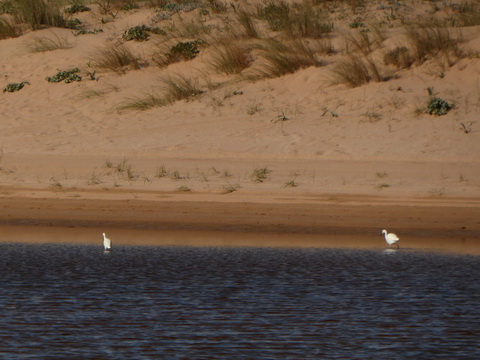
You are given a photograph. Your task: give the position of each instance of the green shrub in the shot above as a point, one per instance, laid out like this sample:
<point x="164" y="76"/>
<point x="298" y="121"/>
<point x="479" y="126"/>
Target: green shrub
<point x="15" y="86"/>
<point x="138" y="33"/>
<point x="66" y="76"/>
<point x="76" y="8"/>
<point x="185" y="50"/>
<point x="357" y="23"/>
<point x="437" y="106"/>
<point x="73" y="24"/>
<point x="141" y="33"/>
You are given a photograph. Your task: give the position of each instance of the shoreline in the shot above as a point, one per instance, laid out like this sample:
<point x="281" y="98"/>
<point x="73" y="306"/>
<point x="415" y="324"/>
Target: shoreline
<point x="339" y="214"/>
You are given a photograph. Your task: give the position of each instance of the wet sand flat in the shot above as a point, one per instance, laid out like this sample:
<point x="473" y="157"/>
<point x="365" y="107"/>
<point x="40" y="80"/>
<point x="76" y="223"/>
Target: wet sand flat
<point x="306" y="214"/>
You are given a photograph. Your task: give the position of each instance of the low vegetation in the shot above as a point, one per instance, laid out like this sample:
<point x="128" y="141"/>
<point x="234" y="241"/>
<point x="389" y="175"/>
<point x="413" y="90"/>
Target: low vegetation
<point x="66" y="76"/>
<point x="15" y="86"/>
<point x="117" y="58"/>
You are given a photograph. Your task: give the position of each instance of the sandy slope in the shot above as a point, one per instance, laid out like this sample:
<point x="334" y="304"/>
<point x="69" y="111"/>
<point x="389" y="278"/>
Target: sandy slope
<point x="61" y="136"/>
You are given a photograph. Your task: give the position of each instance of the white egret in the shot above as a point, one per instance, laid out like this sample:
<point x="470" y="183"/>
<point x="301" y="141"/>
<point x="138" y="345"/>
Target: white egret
<point x="107" y="243"/>
<point x="391" y="238"/>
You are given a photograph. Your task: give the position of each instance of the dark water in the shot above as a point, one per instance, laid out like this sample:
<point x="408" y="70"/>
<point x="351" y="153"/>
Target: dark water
<point x="75" y="302"/>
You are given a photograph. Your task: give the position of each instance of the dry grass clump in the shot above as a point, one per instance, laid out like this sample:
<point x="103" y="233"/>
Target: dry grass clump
<point x="354" y="71"/>
<point x="246" y="20"/>
<point x="284" y="57"/>
<point x="36" y="13"/>
<point x="180" y="87"/>
<point x="193" y="28"/>
<point x="400" y="57"/>
<point x="361" y="42"/>
<point x="230" y="57"/>
<point x="431" y="41"/>
<point x="174" y="88"/>
<point x="296" y="20"/>
<point x="467" y="13"/>
<point x="116" y="58"/>
<point x="7" y="28"/>
<point x="44" y="43"/>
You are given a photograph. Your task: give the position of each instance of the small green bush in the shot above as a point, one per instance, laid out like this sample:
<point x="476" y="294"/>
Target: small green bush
<point x="141" y="33"/>
<point x="184" y="50"/>
<point x="73" y="24"/>
<point x="437" y="106"/>
<point x="15" y="86"/>
<point x="357" y="23"/>
<point x="76" y="9"/>
<point x="66" y="76"/>
<point x="130" y="6"/>
<point x="138" y="33"/>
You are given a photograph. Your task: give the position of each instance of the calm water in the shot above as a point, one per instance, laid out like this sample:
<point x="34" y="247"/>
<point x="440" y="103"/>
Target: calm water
<point x="140" y="302"/>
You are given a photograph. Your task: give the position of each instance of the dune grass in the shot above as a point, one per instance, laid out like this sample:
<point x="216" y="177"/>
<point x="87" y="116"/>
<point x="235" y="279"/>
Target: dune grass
<point x="179" y="87"/>
<point x="7" y="28"/>
<point x="50" y="43"/>
<point x="231" y="57"/>
<point x="354" y="71"/>
<point x="284" y="57"/>
<point x="297" y="20"/>
<point x="174" y="88"/>
<point x="246" y="20"/>
<point x="430" y="41"/>
<point x="37" y="13"/>
<point x="117" y="58"/>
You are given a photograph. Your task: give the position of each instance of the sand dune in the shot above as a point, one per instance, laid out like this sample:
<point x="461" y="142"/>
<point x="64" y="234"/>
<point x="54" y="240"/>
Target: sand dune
<point x="313" y="136"/>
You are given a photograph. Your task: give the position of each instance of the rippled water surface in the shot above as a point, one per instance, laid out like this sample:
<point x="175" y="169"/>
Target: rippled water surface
<point x="140" y="302"/>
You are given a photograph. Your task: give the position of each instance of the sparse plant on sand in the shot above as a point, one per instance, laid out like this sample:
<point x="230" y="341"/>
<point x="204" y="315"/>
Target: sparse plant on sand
<point x="183" y="188"/>
<point x="66" y="76"/>
<point x="76" y="8"/>
<point x="141" y="33"/>
<point x="228" y="189"/>
<point x="467" y="128"/>
<point x="161" y="172"/>
<point x="175" y="175"/>
<point x="15" y="86"/>
<point x="94" y="179"/>
<point x="259" y="175"/>
<point x="383" y="186"/>
<point x="54" y="183"/>
<point x="182" y="51"/>
<point x="291" y="183"/>
<point x="437" y="106"/>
